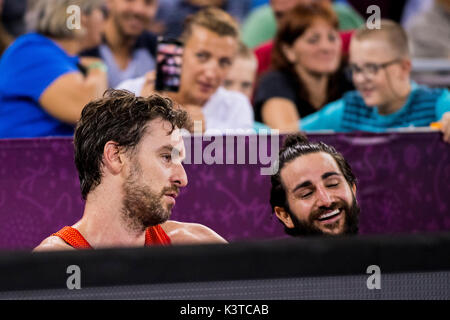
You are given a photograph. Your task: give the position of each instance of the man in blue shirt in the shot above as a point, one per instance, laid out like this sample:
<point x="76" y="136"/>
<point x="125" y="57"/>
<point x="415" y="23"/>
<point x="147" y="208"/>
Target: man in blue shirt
<point x="386" y="97"/>
<point x="127" y="49"/>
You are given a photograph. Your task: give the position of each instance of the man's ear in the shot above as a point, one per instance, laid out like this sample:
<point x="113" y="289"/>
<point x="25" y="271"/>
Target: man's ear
<point x="284" y="217"/>
<point x="112" y="157"/>
<point x="354" y="189"/>
<point x="406" y="65"/>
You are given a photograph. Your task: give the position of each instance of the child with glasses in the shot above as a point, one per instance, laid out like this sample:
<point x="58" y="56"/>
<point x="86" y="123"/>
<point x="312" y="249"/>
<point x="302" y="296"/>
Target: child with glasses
<point x="380" y="67"/>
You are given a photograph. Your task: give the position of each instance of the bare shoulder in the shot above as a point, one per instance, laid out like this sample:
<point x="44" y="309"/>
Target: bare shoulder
<point x="190" y="233"/>
<point x="52" y="243"/>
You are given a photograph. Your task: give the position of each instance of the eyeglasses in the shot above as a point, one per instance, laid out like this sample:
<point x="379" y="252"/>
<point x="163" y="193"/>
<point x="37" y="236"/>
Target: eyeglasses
<point x="368" y="70"/>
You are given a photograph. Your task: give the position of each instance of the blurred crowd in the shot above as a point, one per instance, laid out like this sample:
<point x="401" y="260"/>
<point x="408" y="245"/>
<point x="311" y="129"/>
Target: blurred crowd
<point x="291" y="65"/>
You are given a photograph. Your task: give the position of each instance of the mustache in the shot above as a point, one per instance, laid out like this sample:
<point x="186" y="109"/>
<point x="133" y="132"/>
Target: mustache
<point x="140" y="17"/>
<point x="321" y="210"/>
<point x="171" y="189"/>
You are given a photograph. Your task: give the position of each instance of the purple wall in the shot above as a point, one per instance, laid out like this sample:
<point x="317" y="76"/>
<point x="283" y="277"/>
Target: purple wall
<point x="403" y="186"/>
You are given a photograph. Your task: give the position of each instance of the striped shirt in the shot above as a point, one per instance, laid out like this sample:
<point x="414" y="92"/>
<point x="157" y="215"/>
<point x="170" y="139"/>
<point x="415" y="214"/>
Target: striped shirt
<point x="424" y="105"/>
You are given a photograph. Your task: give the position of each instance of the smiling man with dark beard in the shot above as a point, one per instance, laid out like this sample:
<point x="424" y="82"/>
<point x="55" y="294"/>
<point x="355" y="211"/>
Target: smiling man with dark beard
<point x="128" y="153"/>
<point x="128" y="49"/>
<point x="313" y="192"/>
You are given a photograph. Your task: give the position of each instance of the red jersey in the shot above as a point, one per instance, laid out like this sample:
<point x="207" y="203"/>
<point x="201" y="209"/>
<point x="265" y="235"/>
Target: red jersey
<point x="153" y="236"/>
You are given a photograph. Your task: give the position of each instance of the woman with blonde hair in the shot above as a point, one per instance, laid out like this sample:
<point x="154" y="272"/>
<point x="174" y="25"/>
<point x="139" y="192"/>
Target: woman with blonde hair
<point x="44" y="85"/>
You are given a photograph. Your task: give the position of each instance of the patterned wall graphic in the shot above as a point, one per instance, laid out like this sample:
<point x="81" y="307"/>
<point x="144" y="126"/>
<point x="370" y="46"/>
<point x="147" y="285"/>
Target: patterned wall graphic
<point x="403" y="187"/>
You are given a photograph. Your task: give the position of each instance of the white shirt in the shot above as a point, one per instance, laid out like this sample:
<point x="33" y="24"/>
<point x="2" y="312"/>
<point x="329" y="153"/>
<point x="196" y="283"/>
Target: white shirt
<point x="225" y="109"/>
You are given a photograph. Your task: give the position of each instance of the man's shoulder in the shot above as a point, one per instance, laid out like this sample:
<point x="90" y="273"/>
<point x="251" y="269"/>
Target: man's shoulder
<point x="190" y="233"/>
<point x="52" y="243"/>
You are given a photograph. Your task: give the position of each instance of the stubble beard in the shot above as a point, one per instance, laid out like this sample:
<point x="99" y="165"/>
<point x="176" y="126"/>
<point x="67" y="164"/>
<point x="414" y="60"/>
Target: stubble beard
<point x="142" y="208"/>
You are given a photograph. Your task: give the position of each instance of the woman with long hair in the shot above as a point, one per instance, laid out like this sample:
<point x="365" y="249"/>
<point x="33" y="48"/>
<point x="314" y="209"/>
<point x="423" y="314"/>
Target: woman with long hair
<point x="306" y="71"/>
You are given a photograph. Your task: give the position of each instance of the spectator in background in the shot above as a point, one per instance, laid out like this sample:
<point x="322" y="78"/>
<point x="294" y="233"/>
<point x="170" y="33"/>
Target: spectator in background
<point x="5" y="37"/>
<point x="386" y="97"/>
<point x="412" y="8"/>
<point x="127" y="49"/>
<point x="210" y="38"/>
<point x="261" y="24"/>
<point x="172" y="13"/>
<point x="306" y="72"/>
<point x="314" y="190"/>
<point x="429" y="32"/>
<point x="43" y="84"/>
<point x="242" y="74"/>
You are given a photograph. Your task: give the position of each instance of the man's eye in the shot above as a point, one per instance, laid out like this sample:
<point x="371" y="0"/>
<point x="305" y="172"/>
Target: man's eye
<point x="331" y="185"/>
<point x="372" y="68"/>
<point x="305" y="195"/>
<point x="355" y="68"/>
<point x="167" y="157"/>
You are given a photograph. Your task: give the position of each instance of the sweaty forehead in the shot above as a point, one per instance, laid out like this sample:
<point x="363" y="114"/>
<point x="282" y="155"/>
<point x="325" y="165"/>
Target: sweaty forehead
<point x="309" y="167"/>
<point x="158" y="133"/>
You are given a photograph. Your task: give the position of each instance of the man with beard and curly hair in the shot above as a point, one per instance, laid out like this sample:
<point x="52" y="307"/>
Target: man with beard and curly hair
<point x="313" y="192"/>
<point x="128" y="153"/>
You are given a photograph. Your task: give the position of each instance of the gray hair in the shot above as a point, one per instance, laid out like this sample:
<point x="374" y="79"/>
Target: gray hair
<point x="49" y="17"/>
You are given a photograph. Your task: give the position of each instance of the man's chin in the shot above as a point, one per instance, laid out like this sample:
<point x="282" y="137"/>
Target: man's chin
<point x="371" y="102"/>
<point x="333" y="226"/>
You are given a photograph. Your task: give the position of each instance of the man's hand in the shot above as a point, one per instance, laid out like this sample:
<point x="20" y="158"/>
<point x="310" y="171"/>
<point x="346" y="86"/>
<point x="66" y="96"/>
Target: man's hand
<point x="445" y="126"/>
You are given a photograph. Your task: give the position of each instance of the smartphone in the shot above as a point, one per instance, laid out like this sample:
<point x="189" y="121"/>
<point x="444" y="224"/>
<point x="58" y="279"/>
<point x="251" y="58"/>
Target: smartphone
<point x="169" y="57"/>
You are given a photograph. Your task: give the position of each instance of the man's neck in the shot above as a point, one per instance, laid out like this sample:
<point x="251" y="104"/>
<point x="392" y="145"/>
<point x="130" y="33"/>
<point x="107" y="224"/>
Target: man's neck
<point x="117" y="41"/>
<point x="102" y="224"/>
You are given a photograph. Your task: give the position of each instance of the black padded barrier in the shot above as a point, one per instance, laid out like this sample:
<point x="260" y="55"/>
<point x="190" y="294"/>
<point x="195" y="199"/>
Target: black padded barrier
<point x="412" y="267"/>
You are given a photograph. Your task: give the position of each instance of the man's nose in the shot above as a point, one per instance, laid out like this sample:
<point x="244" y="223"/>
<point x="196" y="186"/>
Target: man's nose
<point x="324" y="198"/>
<point x="358" y="77"/>
<point x="179" y="177"/>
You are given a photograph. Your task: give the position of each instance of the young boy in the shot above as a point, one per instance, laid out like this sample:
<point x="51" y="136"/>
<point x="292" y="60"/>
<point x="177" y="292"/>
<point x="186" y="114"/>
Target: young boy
<point x="241" y="76"/>
<point x="386" y="97"/>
